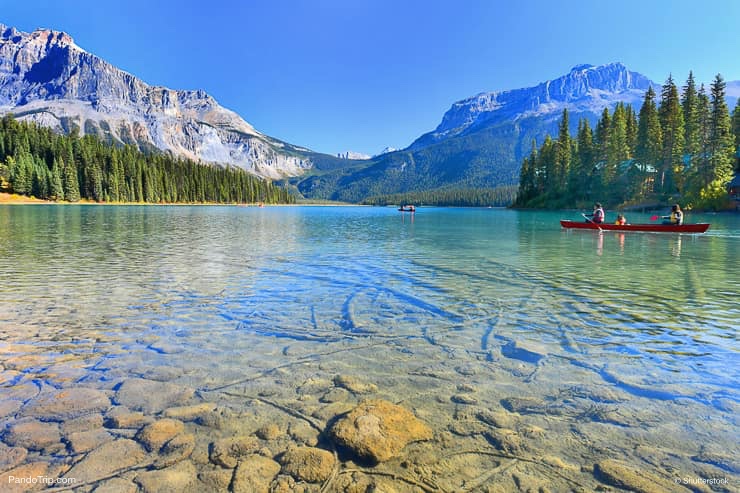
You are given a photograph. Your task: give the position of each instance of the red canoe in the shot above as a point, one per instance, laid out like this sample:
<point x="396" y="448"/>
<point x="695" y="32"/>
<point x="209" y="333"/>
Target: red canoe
<point x="656" y="228"/>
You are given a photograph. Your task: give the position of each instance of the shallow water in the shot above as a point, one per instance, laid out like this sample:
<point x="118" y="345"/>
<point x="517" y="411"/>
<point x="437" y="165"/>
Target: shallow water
<point x="584" y="347"/>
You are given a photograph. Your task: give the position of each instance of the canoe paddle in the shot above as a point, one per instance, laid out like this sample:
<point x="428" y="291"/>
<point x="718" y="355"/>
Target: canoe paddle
<point x="592" y="222"/>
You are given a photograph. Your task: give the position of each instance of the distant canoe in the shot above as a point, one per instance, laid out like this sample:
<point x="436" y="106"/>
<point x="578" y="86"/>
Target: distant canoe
<point x="653" y="228"/>
<point x="407" y="209"/>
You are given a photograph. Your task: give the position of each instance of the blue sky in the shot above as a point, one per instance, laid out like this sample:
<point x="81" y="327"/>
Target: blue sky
<point x="338" y="75"/>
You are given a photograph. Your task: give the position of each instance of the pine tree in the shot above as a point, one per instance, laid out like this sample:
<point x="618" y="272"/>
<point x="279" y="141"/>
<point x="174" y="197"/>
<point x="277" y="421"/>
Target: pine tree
<point x="581" y="181"/>
<point x="672" y="126"/>
<point x="721" y="148"/>
<point x="564" y="155"/>
<point x="649" y="147"/>
<point x="736" y="132"/>
<point x="70" y="183"/>
<point x="56" y="189"/>
<point x="631" y="129"/>
<point x="690" y="108"/>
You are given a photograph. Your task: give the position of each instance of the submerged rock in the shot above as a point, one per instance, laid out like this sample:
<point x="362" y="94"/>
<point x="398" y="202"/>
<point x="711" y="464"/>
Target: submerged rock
<point x="84" y="441"/>
<point x="122" y="418"/>
<point x="180" y="478"/>
<point x="104" y="461"/>
<point x="66" y="404"/>
<point x="190" y="413"/>
<point x="32" y="434"/>
<point x="378" y="430"/>
<point x="254" y="475"/>
<point x="308" y="463"/>
<point x="150" y="396"/>
<point x="354" y="385"/>
<point x="11" y="456"/>
<point x="618" y="474"/>
<point x="155" y="435"/>
<point x="179" y="448"/>
<point x="116" y="485"/>
<point x="12" y="481"/>
<point x="270" y="431"/>
<point x="227" y="451"/>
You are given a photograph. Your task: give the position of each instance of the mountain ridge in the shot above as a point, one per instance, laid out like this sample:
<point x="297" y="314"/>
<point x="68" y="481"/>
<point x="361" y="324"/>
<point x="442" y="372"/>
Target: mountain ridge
<point x="46" y="78"/>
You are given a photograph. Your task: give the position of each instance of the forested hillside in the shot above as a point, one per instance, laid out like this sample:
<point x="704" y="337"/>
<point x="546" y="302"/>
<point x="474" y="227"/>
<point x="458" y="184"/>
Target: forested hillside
<point x="38" y="162"/>
<point x="683" y="148"/>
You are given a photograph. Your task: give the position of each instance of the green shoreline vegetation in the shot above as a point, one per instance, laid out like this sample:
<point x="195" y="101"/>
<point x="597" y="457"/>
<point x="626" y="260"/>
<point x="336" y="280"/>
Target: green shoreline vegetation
<point x="684" y="149"/>
<point x="35" y="161"/>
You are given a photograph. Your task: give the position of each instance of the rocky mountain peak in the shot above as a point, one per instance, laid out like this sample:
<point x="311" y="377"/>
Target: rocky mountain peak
<point x="586" y="88"/>
<point x="46" y="78"/>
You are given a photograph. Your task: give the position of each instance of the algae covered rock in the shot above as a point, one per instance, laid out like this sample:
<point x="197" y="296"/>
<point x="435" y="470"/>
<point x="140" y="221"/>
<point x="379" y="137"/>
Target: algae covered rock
<point x="309" y="464"/>
<point x="378" y="430"/>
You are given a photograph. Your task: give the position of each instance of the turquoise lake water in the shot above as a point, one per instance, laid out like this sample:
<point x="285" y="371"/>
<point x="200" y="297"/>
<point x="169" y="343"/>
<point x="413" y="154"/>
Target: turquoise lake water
<point x="609" y="346"/>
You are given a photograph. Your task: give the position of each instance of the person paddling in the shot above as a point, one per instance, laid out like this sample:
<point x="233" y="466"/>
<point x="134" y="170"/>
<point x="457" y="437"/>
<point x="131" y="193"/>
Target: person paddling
<point x="598" y="215"/>
<point x="676" y="216"/>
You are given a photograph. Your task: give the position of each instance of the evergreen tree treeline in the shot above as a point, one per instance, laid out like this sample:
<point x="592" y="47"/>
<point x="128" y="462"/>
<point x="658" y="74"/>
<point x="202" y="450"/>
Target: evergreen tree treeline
<point x="36" y="161"/>
<point x="684" y="148"/>
<point x="459" y="197"/>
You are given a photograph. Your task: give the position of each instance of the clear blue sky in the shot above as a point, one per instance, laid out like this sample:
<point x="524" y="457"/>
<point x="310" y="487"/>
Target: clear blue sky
<point x="337" y="75"/>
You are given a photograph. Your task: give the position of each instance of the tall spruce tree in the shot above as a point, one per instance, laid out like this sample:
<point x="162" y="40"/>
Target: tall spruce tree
<point x="692" y="123"/>
<point x="649" y="147"/>
<point x="631" y="129"/>
<point x="721" y="148"/>
<point x="581" y="181"/>
<point x="736" y="132"/>
<point x="672" y="126"/>
<point x="564" y="155"/>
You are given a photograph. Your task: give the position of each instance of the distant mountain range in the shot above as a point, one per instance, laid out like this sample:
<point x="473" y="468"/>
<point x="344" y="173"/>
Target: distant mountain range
<point x="482" y="139"/>
<point x="46" y="78"/>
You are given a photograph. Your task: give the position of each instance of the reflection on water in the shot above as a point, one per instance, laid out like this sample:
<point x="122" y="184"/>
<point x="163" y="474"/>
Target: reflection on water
<point x="533" y="352"/>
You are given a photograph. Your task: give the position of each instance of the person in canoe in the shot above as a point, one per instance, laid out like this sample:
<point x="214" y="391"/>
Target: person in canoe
<point x="676" y="217"/>
<point x="598" y="215"/>
<point x="621" y="220"/>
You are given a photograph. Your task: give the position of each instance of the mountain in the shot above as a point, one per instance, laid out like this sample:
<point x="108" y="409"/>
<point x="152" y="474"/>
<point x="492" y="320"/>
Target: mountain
<point x="481" y="140"/>
<point x="46" y="78"/>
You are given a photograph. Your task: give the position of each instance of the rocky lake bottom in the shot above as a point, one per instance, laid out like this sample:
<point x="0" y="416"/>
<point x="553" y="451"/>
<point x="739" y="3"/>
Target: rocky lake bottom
<point x="156" y="416"/>
<point x="155" y="350"/>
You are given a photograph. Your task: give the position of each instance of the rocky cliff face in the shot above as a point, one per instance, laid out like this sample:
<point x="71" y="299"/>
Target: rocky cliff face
<point x="586" y="89"/>
<point x="46" y="78"/>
